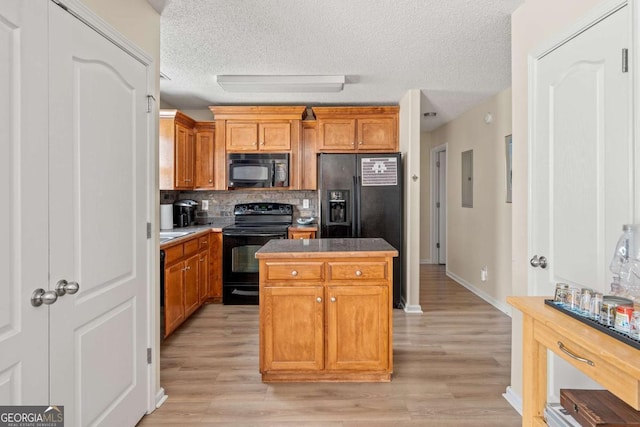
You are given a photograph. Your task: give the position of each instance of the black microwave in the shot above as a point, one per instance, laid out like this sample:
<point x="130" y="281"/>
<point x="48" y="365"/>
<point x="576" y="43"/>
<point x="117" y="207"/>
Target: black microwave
<point x="258" y="170"/>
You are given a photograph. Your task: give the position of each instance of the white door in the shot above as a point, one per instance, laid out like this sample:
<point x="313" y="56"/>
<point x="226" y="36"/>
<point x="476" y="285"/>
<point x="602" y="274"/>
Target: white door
<point x="98" y="238"/>
<point x="24" y="370"/>
<point x="581" y="159"/>
<point x="73" y="170"/>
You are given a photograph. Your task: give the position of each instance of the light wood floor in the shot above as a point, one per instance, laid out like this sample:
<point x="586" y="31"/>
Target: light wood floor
<point x="451" y="366"/>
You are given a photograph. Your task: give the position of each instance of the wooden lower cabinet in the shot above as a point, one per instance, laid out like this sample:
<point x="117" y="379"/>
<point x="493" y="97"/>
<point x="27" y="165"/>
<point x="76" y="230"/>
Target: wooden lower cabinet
<point x="191" y="291"/>
<point x="319" y="327"/>
<point x="293" y="328"/>
<point x="173" y="297"/>
<point x="357" y="328"/>
<point x="203" y="276"/>
<point x="215" y="266"/>
<point x="186" y="285"/>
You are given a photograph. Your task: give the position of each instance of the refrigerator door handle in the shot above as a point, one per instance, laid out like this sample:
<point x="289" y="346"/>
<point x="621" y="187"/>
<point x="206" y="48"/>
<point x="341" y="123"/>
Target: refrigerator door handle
<point x="354" y="209"/>
<point x="358" y="206"/>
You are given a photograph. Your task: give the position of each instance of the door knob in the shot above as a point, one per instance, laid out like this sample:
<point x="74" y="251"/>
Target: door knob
<point x="63" y="287"/>
<point x="40" y="296"/>
<point x="538" y="261"/>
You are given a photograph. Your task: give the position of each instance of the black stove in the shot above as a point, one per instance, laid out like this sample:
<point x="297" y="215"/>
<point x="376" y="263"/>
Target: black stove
<point x="254" y="225"/>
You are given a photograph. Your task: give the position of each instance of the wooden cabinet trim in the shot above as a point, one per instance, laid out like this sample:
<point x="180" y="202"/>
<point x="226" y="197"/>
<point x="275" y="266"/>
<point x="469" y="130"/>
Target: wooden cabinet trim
<point x="220" y="112"/>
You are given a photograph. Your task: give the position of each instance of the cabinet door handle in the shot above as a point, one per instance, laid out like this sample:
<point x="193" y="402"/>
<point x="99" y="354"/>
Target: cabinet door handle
<point x="333" y="299"/>
<point x="358" y="273"/>
<point x="294" y="273"/>
<point x="360" y="143"/>
<point x="201" y="259"/>
<point x="319" y="299"/>
<point x="574" y="356"/>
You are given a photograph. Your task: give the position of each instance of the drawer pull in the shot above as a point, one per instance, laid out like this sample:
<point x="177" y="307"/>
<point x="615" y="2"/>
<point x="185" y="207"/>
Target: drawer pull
<point x="358" y="273"/>
<point x="319" y="299"/>
<point x="294" y="273"/>
<point x="573" y="356"/>
<point x="333" y="299"/>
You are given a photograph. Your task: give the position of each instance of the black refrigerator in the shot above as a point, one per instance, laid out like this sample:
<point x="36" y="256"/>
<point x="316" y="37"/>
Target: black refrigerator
<point x="362" y="195"/>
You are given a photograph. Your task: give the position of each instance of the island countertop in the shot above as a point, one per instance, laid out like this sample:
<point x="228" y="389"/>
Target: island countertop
<point x="313" y="248"/>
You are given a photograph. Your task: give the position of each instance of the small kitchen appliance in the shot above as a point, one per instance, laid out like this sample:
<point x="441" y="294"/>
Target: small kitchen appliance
<point x="184" y="212"/>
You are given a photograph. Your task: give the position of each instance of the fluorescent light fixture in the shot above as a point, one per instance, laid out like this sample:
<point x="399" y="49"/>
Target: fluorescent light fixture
<point x="235" y="83"/>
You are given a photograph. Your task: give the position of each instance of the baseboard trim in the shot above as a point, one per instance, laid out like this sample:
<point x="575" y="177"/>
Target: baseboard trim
<point x="413" y="309"/>
<point x="161" y="397"/>
<point x="514" y="399"/>
<point x="503" y="307"/>
<point x="425" y="261"/>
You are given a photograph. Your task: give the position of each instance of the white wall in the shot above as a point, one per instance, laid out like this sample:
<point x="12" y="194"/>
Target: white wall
<point x="531" y="24"/>
<point x="410" y="148"/>
<point x="478" y="236"/>
<point x="426" y="257"/>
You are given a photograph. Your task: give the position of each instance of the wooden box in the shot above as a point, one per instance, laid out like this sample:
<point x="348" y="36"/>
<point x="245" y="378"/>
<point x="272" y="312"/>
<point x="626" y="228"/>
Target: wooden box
<point x="598" y="408"/>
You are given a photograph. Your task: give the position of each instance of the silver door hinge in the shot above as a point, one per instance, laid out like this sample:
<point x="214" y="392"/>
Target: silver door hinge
<point x="150" y="100"/>
<point x="438" y="205"/>
<point x="148" y="356"/>
<point x="148" y="230"/>
<point x="437" y="245"/>
<point x="625" y="60"/>
<point x="438" y="163"/>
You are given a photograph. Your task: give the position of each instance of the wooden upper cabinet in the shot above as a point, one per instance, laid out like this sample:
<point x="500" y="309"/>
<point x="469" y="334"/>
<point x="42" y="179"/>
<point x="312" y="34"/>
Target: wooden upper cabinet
<point x="339" y="134"/>
<point x="309" y="156"/>
<point x="274" y="135"/>
<point x="378" y="134"/>
<point x="176" y="151"/>
<point x="242" y="136"/>
<point x="258" y="135"/>
<point x="184" y="157"/>
<point x="349" y="129"/>
<point x="204" y="156"/>
<point x="259" y="128"/>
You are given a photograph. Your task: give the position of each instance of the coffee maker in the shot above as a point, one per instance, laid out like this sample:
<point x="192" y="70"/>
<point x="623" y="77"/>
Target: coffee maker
<point x="184" y="212"/>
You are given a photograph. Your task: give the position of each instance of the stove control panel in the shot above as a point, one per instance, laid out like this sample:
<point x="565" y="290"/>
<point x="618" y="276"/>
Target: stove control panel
<point x="263" y="209"/>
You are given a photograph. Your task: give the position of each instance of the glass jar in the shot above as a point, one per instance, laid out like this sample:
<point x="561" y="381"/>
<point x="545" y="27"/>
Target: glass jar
<point x="634" y="325"/>
<point x="562" y="290"/>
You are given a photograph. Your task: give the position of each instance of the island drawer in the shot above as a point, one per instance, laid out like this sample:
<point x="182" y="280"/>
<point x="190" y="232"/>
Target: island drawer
<point x="366" y="270"/>
<point x="276" y="271"/>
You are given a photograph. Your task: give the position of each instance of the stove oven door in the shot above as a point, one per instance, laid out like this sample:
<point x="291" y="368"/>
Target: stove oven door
<point x="240" y="266"/>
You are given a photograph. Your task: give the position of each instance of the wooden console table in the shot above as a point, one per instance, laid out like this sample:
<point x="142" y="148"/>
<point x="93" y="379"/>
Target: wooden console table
<point x="612" y="363"/>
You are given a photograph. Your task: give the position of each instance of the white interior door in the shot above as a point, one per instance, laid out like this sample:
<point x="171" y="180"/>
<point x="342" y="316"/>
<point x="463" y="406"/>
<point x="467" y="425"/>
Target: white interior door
<point x="23" y="191"/>
<point x="98" y="238"/>
<point x="581" y="176"/>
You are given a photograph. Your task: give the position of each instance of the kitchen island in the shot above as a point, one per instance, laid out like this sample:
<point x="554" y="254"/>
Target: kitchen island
<point x="326" y="310"/>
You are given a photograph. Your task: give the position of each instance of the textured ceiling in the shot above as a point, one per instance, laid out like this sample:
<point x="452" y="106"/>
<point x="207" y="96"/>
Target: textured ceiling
<point x="457" y="52"/>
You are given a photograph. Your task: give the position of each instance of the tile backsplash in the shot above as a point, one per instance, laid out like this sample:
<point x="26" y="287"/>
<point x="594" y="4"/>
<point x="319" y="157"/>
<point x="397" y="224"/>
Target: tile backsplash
<point x="221" y="203"/>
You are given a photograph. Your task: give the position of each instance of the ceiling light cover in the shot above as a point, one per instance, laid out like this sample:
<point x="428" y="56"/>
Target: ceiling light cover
<point x="299" y="84"/>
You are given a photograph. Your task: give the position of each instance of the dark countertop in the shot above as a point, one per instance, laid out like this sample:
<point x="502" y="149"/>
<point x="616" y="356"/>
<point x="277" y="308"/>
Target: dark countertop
<point x="215" y="224"/>
<point x="310" y="248"/>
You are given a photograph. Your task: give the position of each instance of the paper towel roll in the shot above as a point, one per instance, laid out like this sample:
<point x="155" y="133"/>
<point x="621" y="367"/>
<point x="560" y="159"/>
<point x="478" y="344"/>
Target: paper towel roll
<point x="166" y="217"/>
